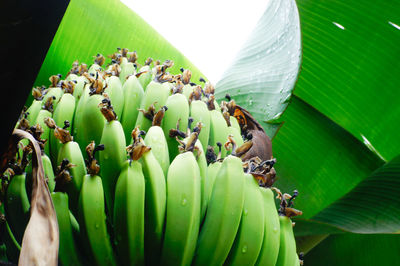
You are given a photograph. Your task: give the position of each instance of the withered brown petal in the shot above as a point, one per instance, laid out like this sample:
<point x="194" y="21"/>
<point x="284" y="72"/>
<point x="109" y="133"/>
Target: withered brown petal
<point x="41" y="238"/>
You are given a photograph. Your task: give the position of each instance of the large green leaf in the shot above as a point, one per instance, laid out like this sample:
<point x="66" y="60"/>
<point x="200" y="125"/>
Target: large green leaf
<point x="355" y="249"/>
<point x="371" y="207"/>
<point x="318" y="158"/>
<point x="100" y="26"/>
<point x="351" y="67"/>
<point x="264" y="72"/>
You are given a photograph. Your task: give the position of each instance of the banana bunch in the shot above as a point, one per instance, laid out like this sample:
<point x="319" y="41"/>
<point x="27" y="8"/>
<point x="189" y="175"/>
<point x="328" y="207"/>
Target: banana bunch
<point x="145" y="167"/>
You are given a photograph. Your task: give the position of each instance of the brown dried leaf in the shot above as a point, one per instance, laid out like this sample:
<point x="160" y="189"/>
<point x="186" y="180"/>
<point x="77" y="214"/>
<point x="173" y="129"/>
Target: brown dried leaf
<point x="41" y="238"/>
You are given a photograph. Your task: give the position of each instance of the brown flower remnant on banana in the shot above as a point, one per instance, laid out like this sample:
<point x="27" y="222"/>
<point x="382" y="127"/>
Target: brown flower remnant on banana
<point x="286" y="206"/>
<point x="63" y="176"/>
<point x="138" y="148"/>
<point x="107" y="109"/>
<point x="62" y="134"/>
<point x="93" y="167"/>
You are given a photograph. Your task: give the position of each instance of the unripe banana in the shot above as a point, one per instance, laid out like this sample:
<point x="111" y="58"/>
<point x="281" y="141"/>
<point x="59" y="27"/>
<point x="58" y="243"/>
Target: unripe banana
<point x="133" y="94"/>
<point x="146" y="77"/>
<point x="48" y="172"/>
<point x="155" y="138"/>
<point x="114" y="155"/>
<point x="212" y="172"/>
<point x="202" y="162"/>
<point x="54" y="91"/>
<point x="218" y="130"/>
<point x="187" y="90"/>
<point x="234" y="123"/>
<point x="270" y="247"/>
<point x="34" y="110"/>
<point x="155" y="94"/>
<point x="78" y="110"/>
<point x="43" y="114"/>
<point x="126" y="70"/>
<point x="71" y="77"/>
<point x="70" y="151"/>
<point x="183" y="210"/>
<point x="155" y="197"/>
<point x="91" y="213"/>
<point x="13" y="247"/>
<point x="178" y="112"/>
<point x="65" y="112"/>
<point x="199" y="112"/>
<point x="223" y="214"/>
<point x="115" y="93"/>
<point x="129" y="214"/>
<point x="287" y="248"/>
<point x="79" y="86"/>
<point x="233" y="130"/>
<point x="68" y="251"/>
<point x="250" y="235"/>
<point x="91" y="123"/>
<point x="17" y="206"/>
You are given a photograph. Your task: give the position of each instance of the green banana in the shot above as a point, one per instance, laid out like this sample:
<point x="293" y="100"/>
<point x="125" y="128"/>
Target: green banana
<point x="74" y="224"/>
<point x="48" y="172"/>
<point x="91" y="121"/>
<point x="80" y="84"/>
<point x="155" y="138"/>
<point x="13" y="247"/>
<point x="218" y="130"/>
<point x="147" y="75"/>
<point x="68" y="251"/>
<point x="199" y="112"/>
<point x="115" y="93"/>
<point x="287" y="248"/>
<point x="17" y="206"/>
<point x="202" y="163"/>
<point x="3" y="252"/>
<point x="187" y="90"/>
<point x="69" y="153"/>
<point x="270" y="247"/>
<point x="79" y="107"/>
<point x="155" y="95"/>
<point x="155" y="197"/>
<point x="212" y="171"/>
<point x="127" y="70"/>
<point x="54" y="91"/>
<point x="250" y="235"/>
<point x="36" y="105"/>
<point x="91" y="213"/>
<point x="183" y="210"/>
<point x="65" y="112"/>
<point x="42" y="115"/>
<point x="114" y="155"/>
<point x="177" y="112"/>
<point x="133" y="94"/>
<point x="129" y="214"/>
<point x="235" y="123"/>
<point x="128" y="67"/>
<point x="223" y="214"/>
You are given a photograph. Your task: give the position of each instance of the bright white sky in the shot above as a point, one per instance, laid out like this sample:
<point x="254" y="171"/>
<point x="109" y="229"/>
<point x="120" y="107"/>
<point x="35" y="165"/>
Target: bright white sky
<point x="223" y="24"/>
